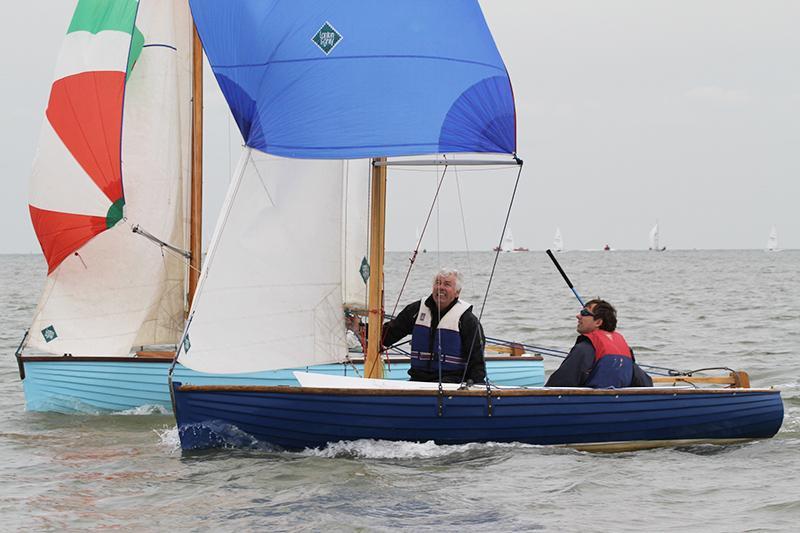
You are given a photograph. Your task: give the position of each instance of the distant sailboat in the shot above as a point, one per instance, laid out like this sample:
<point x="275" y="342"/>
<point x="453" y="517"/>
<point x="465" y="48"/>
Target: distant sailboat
<point x="772" y="240"/>
<point x="507" y="244"/>
<point x="654" y="237"/>
<point x="558" y="241"/>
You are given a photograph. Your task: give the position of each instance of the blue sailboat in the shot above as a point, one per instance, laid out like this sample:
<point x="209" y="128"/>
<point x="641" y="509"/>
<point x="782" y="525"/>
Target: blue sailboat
<point x="112" y="311"/>
<point x="314" y="83"/>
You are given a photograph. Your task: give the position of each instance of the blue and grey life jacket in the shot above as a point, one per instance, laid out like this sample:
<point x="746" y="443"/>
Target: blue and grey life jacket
<point x="426" y="348"/>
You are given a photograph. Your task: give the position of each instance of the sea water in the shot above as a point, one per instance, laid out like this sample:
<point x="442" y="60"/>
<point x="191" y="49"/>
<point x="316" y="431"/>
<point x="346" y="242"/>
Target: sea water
<point x="678" y="309"/>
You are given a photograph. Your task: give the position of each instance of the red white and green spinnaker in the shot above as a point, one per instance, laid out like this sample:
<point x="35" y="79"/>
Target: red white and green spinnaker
<point x="114" y="152"/>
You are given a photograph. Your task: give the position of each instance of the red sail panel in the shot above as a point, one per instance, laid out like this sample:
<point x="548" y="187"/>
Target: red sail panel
<point x="60" y="234"/>
<point x="85" y="111"/>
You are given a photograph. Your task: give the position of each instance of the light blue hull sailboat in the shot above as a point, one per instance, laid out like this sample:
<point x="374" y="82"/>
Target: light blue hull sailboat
<point x="97" y="385"/>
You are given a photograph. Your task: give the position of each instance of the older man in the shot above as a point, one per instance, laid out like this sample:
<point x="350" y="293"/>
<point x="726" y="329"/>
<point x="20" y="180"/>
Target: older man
<point x="445" y="336"/>
<point x="601" y="357"/>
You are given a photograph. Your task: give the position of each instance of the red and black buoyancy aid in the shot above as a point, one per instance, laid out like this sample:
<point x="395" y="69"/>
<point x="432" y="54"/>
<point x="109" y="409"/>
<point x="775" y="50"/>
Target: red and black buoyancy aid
<point x="613" y="361"/>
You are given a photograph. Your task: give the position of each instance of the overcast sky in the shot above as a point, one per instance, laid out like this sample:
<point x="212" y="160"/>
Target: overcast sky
<point x="628" y="112"/>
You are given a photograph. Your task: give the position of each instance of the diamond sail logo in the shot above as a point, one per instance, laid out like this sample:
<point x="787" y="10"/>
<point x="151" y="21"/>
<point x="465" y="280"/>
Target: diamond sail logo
<point x="327" y="38"/>
<point x="364" y="269"/>
<point x="49" y="333"/>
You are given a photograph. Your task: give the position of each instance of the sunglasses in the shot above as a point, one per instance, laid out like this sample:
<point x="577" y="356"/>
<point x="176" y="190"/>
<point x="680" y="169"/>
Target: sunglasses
<point x="586" y="312"/>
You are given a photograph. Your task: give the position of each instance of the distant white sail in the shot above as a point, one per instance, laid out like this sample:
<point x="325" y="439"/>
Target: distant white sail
<point x="772" y="240"/>
<point x="508" y="242"/>
<point x="558" y="241"/>
<point x="654" y="237"/>
<point x="655" y="244"/>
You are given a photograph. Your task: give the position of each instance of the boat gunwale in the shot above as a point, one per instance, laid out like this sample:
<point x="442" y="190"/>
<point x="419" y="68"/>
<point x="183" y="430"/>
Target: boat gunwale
<point x="169" y="359"/>
<point x="495" y="392"/>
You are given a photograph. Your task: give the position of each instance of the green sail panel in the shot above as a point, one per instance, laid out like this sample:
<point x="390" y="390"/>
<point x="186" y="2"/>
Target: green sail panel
<point x="95" y="16"/>
<point x="137" y="43"/>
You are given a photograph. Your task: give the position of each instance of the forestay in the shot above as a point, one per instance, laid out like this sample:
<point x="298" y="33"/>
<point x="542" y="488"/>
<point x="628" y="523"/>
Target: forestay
<point x="270" y="295"/>
<point x="109" y="289"/>
<point x="353" y="79"/>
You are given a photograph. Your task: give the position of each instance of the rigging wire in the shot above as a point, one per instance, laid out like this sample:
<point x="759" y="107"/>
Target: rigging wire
<point x="464" y="228"/>
<point x="502" y="234"/>
<point x="413" y="257"/>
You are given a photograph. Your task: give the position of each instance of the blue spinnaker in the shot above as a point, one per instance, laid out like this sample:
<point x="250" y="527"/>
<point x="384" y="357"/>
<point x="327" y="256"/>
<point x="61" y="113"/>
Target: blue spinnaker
<point x="350" y="79"/>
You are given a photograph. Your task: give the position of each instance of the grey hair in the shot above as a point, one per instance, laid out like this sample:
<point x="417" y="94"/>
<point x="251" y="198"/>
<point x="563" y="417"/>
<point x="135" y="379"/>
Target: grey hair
<point x="446" y="272"/>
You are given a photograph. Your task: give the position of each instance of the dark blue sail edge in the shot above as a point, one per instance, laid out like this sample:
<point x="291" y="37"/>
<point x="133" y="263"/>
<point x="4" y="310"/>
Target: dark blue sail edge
<point x="354" y="79"/>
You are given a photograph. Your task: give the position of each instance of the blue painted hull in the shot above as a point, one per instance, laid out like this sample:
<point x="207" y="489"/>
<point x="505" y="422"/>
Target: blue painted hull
<point x="309" y="418"/>
<point x="83" y="385"/>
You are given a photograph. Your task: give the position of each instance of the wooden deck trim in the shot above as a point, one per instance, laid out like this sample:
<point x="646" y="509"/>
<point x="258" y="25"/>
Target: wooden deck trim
<point x="496" y="393"/>
<point x="160" y="357"/>
<point x="92" y="359"/>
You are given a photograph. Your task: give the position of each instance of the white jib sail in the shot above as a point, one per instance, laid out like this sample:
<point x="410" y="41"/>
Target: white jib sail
<point x="270" y="295"/>
<point x="121" y="291"/>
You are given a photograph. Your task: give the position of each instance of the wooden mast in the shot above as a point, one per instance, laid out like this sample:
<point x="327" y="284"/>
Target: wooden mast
<point x="196" y="194"/>
<point x="373" y="366"/>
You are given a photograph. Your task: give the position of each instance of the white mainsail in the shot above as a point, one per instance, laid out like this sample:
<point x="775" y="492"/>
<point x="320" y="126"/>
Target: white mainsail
<point x="508" y="242"/>
<point x="120" y="290"/>
<point x="772" y="240"/>
<point x="355" y="220"/>
<point x="654" y="238"/>
<point x="270" y="295"/>
<point x="558" y="241"/>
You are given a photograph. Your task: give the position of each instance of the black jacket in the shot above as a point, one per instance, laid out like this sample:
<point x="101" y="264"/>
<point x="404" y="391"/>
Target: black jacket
<point x="579" y="363"/>
<point x="472" y="342"/>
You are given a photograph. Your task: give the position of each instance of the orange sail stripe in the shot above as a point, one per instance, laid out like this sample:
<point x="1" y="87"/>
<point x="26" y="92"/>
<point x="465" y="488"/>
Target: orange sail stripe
<point x="61" y="234"/>
<point x="85" y="111"/>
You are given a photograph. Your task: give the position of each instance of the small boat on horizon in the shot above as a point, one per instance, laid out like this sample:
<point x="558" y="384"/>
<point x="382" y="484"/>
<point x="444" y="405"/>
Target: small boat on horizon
<point x="772" y="240"/>
<point x="558" y="241"/>
<point x="654" y="240"/>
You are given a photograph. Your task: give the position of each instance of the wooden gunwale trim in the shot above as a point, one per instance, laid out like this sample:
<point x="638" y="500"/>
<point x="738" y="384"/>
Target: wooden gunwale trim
<point x="396" y="359"/>
<point x="168" y="359"/>
<point x="281" y="389"/>
<point x="92" y="359"/>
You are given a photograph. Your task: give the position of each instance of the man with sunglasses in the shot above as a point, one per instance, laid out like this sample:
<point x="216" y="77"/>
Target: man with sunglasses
<point x="601" y="358"/>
